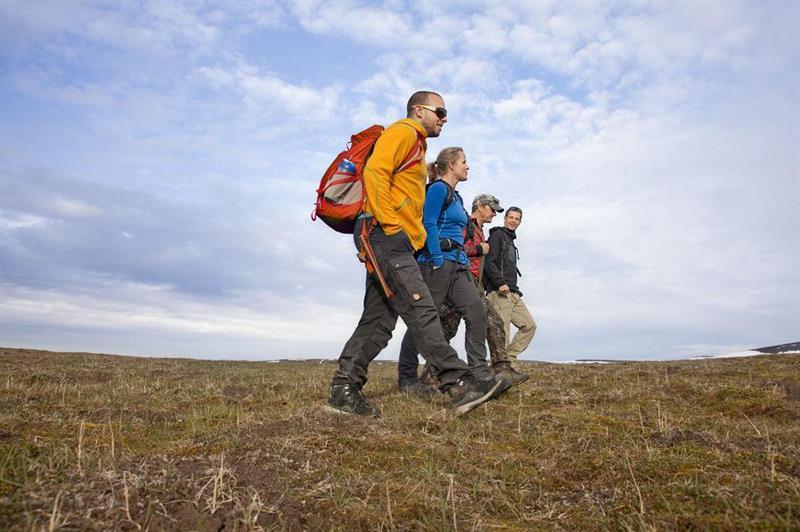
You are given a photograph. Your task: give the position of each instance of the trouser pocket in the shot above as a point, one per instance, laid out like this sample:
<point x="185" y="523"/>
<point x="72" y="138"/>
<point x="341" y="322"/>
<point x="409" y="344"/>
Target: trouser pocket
<point x="406" y="278"/>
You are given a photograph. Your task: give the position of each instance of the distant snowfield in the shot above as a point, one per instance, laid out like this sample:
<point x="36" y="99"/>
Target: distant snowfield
<point x="734" y="355"/>
<point x="588" y="361"/>
<point x="786" y="349"/>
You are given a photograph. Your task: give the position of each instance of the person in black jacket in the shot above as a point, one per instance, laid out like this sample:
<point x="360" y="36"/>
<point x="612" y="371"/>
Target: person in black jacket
<point x="500" y="281"/>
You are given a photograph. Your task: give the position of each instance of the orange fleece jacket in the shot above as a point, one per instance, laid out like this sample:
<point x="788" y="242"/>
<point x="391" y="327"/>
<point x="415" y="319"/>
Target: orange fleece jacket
<point x="396" y="200"/>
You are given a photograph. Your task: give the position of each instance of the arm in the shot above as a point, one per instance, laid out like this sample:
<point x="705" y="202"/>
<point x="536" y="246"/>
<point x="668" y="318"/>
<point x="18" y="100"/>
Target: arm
<point x="473" y="246"/>
<point x="390" y="150"/>
<point x="434" y="202"/>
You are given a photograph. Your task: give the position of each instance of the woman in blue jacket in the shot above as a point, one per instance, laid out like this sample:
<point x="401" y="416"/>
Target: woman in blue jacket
<point x="445" y="268"/>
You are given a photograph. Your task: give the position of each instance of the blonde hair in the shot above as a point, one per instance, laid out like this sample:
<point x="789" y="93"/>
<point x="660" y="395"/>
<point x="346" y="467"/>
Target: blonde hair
<point x="438" y="167"/>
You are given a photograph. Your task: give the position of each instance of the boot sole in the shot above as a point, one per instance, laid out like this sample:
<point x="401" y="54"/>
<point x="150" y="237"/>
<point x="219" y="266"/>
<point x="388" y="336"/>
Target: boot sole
<point x="515" y="381"/>
<point x="519" y="380"/>
<point x="503" y="389"/>
<point x="463" y="409"/>
<point x="334" y="410"/>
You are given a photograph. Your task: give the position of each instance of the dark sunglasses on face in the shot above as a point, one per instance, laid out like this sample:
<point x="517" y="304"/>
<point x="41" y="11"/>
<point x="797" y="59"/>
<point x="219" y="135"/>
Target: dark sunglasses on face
<point x="441" y="112"/>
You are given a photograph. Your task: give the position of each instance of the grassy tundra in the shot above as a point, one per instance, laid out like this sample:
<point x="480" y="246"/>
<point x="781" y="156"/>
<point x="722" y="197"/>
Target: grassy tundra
<point x="108" y="442"/>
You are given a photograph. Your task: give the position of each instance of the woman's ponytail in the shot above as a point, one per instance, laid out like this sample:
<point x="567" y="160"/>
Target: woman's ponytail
<point x="434" y="172"/>
<point x="438" y="167"/>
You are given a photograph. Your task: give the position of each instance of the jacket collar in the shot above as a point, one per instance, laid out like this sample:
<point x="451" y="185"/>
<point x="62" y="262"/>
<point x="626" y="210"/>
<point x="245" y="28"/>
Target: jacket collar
<point x="416" y="125"/>
<point x="475" y="220"/>
<point x="511" y="234"/>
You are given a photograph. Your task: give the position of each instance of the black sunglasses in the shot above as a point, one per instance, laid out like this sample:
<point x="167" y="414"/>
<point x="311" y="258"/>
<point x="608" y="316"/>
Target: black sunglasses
<point x="441" y="112"/>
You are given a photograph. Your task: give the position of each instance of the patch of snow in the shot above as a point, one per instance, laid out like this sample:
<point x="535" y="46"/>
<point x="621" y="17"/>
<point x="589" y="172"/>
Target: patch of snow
<point x="584" y="361"/>
<point x="734" y="355"/>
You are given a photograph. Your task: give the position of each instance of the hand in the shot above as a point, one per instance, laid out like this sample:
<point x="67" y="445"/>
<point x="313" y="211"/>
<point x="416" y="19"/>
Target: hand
<point x="504" y="289"/>
<point x="484" y="247"/>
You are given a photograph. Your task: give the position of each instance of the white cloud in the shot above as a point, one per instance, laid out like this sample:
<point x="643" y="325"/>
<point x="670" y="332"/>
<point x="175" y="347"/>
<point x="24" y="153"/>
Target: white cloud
<point x="218" y="77"/>
<point x="71" y="208"/>
<point x="157" y="310"/>
<point x="9" y="223"/>
<point x="41" y="84"/>
<point x="362" y="23"/>
<point x="21" y="20"/>
<point x="486" y="34"/>
<point x="273" y="94"/>
<point x="157" y="27"/>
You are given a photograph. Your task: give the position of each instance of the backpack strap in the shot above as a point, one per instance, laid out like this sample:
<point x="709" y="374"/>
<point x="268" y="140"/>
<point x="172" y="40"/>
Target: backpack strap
<point x="470" y="228"/>
<point x="451" y="193"/>
<point x="413" y="158"/>
<point x="415" y="155"/>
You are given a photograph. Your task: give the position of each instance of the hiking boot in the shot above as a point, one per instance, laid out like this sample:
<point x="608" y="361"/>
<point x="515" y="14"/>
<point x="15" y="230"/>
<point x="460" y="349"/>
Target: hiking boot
<point x="417" y="388"/>
<point x="508" y="371"/>
<point x="345" y="399"/>
<point x="470" y="392"/>
<point x="427" y="376"/>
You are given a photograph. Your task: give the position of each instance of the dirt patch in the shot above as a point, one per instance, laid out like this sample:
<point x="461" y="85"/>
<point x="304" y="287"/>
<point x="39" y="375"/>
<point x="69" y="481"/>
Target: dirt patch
<point x="186" y="516"/>
<point x="790" y="388"/>
<point x="673" y="437"/>
<point x="237" y="392"/>
<point x="8" y="436"/>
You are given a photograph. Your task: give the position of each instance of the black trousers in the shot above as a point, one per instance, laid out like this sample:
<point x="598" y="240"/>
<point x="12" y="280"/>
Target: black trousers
<point x="412" y="302"/>
<point x="452" y="283"/>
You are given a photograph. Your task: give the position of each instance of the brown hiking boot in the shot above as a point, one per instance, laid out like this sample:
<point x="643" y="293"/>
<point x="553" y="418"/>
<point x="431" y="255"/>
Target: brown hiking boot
<point x="508" y="371"/>
<point x="427" y="376"/>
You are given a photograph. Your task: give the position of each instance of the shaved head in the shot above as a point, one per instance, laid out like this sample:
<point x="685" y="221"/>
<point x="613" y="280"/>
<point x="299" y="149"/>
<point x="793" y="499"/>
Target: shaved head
<point x="420" y="98"/>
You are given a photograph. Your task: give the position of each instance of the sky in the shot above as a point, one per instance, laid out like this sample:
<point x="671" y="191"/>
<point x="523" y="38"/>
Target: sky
<point x="159" y="161"/>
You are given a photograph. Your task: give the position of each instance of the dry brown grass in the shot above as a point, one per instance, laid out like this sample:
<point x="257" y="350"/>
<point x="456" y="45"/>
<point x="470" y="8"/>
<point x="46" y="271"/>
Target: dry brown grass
<point x="107" y="442"/>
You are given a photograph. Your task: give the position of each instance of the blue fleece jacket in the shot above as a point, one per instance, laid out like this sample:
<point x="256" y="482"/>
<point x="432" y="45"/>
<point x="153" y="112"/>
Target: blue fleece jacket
<point x="443" y="223"/>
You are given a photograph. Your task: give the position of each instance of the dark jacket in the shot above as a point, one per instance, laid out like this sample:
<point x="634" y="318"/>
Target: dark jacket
<point x="500" y="266"/>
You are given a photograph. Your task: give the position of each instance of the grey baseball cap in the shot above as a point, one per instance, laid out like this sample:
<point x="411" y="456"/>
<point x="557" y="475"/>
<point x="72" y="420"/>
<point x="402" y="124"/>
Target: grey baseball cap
<point x="487" y="199"/>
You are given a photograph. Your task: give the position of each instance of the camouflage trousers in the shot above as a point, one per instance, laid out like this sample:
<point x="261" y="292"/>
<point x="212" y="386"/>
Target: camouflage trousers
<point x="495" y="329"/>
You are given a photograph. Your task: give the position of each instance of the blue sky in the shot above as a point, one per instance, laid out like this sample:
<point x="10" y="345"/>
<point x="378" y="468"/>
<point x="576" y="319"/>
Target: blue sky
<point x="158" y="162"/>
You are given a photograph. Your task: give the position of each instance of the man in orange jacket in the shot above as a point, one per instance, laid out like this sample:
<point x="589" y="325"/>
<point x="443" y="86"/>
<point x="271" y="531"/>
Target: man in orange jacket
<point x="393" y="210"/>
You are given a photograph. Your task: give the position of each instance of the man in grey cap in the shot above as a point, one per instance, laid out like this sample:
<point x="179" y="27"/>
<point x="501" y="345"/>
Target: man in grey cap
<point x="484" y="209"/>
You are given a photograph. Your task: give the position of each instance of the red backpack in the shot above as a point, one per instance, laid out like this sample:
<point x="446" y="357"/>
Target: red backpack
<point x="341" y="195"/>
